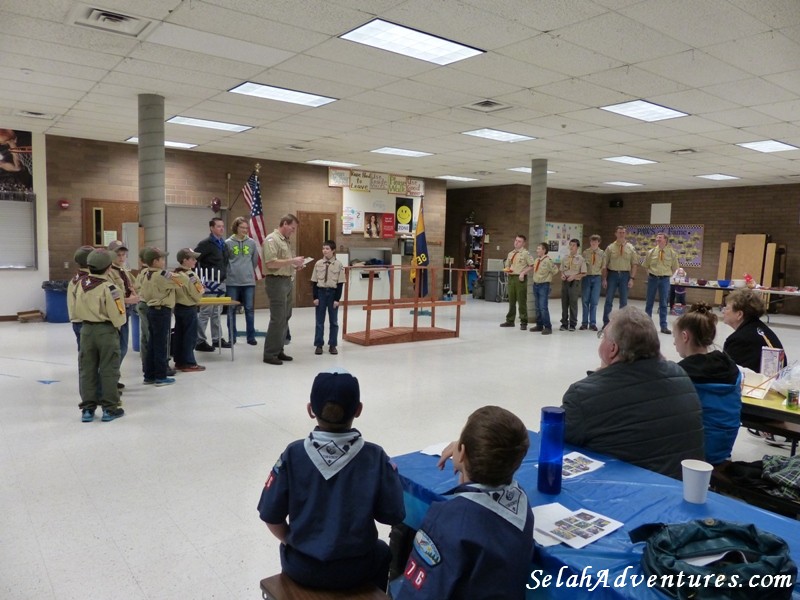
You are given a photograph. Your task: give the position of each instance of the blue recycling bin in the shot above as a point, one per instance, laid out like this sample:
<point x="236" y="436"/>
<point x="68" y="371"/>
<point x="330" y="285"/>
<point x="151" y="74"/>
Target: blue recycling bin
<point x="55" y="297"/>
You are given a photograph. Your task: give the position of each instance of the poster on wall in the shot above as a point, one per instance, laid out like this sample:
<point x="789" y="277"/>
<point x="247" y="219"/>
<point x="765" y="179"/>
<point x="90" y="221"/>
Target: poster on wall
<point x="558" y="236"/>
<point x="373" y="225"/>
<point x="404" y="211"/>
<point x="387" y="225"/>
<point x="338" y="177"/>
<point x="686" y="240"/>
<point x="352" y="220"/>
<point x="16" y="165"/>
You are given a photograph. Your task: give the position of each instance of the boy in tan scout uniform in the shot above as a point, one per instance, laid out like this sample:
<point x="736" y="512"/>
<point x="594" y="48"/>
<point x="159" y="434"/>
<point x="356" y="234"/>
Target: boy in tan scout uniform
<point x="573" y="268"/>
<point x="186" y="299"/>
<point x="517" y="266"/>
<point x="120" y="276"/>
<point x="543" y="271"/>
<point x="590" y="284"/>
<point x="327" y="281"/>
<point x="158" y="290"/>
<point x="81" y="254"/>
<point x="98" y="304"/>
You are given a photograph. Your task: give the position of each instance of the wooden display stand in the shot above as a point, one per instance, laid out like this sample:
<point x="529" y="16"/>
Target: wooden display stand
<point x="400" y="334"/>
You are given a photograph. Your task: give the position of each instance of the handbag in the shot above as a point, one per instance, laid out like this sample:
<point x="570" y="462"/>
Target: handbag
<point x="749" y="563"/>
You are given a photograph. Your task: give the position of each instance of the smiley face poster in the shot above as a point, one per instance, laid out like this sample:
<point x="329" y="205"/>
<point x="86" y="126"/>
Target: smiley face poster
<point x="404" y="212"/>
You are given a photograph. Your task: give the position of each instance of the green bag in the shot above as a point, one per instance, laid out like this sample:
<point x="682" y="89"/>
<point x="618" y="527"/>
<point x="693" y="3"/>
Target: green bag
<point x="756" y="564"/>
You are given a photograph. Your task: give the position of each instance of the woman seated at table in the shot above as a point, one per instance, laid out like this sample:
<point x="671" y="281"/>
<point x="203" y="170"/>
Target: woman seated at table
<point x="716" y="378"/>
<point x="743" y="311"/>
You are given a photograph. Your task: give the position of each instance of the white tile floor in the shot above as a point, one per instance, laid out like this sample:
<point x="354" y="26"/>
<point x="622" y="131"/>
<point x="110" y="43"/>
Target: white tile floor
<point x="161" y="504"/>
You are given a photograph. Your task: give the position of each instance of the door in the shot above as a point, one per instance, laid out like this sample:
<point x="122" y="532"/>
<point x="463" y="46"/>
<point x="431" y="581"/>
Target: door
<point x="106" y="216"/>
<point x="314" y="229"/>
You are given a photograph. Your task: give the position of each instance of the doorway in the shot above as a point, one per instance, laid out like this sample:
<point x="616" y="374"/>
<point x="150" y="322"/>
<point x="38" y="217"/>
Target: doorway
<point x="102" y="217"/>
<point x="314" y="229"/>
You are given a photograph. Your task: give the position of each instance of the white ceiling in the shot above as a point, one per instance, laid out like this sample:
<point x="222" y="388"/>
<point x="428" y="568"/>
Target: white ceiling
<point x="733" y="65"/>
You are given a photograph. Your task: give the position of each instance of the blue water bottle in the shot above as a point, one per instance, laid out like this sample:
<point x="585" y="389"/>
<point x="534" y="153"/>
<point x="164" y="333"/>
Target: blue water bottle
<point x="551" y="449"/>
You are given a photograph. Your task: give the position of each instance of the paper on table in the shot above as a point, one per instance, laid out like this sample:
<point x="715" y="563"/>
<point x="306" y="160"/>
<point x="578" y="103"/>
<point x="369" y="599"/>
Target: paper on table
<point x="755" y="385"/>
<point x="576" y="464"/>
<point x="547" y="513"/>
<point x="435" y="449"/>
<point x="575" y="528"/>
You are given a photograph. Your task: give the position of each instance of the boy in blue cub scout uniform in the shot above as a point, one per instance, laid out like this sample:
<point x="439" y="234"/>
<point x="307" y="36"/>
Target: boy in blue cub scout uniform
<point x="477" y="545"/>
<point x="333" y="486"/>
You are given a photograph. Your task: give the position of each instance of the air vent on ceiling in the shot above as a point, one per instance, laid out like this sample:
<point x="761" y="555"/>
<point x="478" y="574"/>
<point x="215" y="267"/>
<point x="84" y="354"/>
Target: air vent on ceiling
<point x="683" y="151"/>
<point x="482" y="173"/>
<point x="294" y="148"/>
<point x="31" y="114"/>
<point x="487" y="106"/>
<point x="107" y="20"/>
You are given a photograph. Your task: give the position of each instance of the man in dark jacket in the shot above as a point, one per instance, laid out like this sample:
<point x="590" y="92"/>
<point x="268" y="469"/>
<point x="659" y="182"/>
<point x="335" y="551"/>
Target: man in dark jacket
<point x="211" y="266"/>
<point x="638" y="407"/>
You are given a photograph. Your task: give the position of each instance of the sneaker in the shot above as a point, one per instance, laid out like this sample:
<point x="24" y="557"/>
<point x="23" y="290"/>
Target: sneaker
<point x="583" y="328"/>
<point x="592" y="327"/>
<point x="191" y="368"/>
<point x="165" y="381"/>
<point x="109" y="414"/>
<point x="572" y="328"/>
<point x="203" y="347"/>
<point x="318" y="350"/>
<point x="87" y="416"/>
<point x="562" y="328"/>
<point x="333" y="350"/>
<point x="547" y="331"/>
<point x="284" y="357"/>
<point x="225" y="344"/>
<point x="523" y="326"/>
<point x="666" y="331"/>
<point x="536" y="329"/>
<point x="252" y="342"/>
<point x="120" y="386"/>
<point x="170" y="372"/>
<point x="273" y="360"/>
<point x="506" y="324"/>
<point x="149" y="381"/>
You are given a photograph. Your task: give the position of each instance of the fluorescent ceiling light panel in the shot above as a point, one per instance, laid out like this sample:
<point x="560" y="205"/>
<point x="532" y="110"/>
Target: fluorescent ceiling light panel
<point x="410" y="42"/>
<point x="167" y="143"/>
<point x="401" y="152"/>
<point x="178" y="120"/>
<point x="630" y="160"/>
<point x="717" y="177"/>
<point x="768" y="146"/>
<point x="644" y="111"/>
<point x="500" y="136"/>
<point x="455" y="178"/>
<point x="622" y="183"/>
<point x="248" y="88"/>
<point x="330" y="163"/>
<point x="526" y="170"/>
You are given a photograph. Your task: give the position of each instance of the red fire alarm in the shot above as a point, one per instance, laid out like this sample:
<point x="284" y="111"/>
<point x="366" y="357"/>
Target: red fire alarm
<point x="63" y="204"/>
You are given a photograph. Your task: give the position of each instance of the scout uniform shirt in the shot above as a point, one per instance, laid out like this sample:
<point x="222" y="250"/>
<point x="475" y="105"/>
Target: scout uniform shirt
<point x="123" y="279"/>
<point x="594" y="261"/>
<point x="191" y="289"/>
<point x="518" y="260"/>
<point x="97" y="300"/>
<point x="661" y="262"/>
<point x="72" y="290"/>
<point x="158" y="287"/>
<point x="328" y="274"/>
<point x="620" y="258"/>
<point x="277" y="247"/>
<point x="573" y="265"/>
<point x="543" y="269"/>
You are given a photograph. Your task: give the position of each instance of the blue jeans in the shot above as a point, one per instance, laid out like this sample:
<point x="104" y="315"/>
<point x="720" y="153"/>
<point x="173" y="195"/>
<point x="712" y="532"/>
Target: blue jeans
<point x="327" y="296"/>
<point x="185" y="335"/>
<point x="590" y="299"/>
<point x="660" y="285"/>
<point x="617" y="280"/>
<point x="244" y="294"/>
<point x="541" y="292"/>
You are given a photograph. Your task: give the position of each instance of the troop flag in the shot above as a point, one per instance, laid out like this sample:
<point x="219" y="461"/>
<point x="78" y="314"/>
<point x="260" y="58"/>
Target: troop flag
<point x="421" y="258"/>
<point x="252" y="195"/>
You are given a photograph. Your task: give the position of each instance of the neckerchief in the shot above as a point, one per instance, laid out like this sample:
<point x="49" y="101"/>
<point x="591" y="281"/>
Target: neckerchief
<point x="332" y="452"/>
<point x="507" y="501"/>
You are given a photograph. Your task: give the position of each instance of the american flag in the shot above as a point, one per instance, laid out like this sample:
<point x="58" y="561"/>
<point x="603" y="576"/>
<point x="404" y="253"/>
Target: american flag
<point x="252" y="195"/>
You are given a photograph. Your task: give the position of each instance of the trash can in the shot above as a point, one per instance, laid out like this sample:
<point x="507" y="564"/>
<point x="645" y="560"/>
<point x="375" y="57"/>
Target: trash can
<point x="491" y="286"/>
<point x="55" y="296"/>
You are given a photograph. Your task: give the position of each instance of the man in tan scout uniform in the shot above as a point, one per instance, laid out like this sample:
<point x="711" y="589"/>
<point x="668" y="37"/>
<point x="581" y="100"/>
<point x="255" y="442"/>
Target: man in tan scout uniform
<point x="517" y="266"/>
<point x="660" y="263"/>
<point x="619" y="271"/>
<point x="99" y="304"/>
<point x="279" y="267"/>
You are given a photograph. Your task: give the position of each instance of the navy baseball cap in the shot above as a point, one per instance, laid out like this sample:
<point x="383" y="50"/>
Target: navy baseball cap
<point x="338" y="387"/>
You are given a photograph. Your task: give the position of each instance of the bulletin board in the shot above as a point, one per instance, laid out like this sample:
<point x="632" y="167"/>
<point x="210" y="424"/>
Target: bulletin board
<point x="558" y="236"/>
<point x="359" y="206"/>
<point x="686" y="240"/>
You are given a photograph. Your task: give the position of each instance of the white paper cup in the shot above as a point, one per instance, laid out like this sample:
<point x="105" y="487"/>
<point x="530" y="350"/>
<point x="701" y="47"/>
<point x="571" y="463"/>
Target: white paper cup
<point x="696" y="478"/>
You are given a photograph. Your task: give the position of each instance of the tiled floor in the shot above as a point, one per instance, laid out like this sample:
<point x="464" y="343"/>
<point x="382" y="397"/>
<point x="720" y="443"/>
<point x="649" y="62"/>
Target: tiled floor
<point x="161" y="504"/>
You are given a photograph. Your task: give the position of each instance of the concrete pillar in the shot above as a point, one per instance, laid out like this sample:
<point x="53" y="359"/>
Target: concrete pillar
<point x="152" y="208"/>
<point x="538" y="216"/>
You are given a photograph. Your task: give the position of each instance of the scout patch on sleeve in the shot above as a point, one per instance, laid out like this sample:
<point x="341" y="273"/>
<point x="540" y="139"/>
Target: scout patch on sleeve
<point x="426" y="548"/>
<point x="415" y="574"/>
<point x="117" y="298"/>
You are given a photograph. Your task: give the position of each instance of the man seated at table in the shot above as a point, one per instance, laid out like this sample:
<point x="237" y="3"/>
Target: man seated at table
<point x="637" y="407"/>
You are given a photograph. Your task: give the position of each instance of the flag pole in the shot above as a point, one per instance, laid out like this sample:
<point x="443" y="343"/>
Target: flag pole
<point x="239" y="195"/>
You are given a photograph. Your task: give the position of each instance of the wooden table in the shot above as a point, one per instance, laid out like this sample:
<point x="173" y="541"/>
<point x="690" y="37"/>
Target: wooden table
<point x="771" y="415"/>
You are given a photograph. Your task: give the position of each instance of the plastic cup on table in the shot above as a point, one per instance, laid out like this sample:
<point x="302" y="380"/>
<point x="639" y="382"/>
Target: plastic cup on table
<point x="696" y="479"/>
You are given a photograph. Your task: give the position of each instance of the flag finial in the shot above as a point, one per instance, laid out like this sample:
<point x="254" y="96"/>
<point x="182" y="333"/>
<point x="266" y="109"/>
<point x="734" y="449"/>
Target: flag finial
<point x="258" y="168"/>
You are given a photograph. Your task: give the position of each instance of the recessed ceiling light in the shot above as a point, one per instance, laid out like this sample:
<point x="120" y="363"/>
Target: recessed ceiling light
<point x="717" y="177"/>
<point x="768" y="146"/>
<point x="410" y="42"/>
<point x="248" y="88"/>
<point x="330" y="163"/>
<point x="455" y="178"/>
<point x="526" y="170"/>
<point x="178" y="120"/>
<point x="167" y="143"/>
<point x="622" y="183"/>
<point x="500" y="136"/>
<point x="630" y="160"/>
<point x="401" y="152"/>
<point x="644" y="111"/>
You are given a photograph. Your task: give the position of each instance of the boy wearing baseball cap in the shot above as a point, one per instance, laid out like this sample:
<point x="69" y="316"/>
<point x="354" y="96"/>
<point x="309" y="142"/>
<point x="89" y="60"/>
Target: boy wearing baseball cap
<point x="120" y="276"/>
<point x="332" y="486"/>
<point x="81" y="254"/>
<point x="186" y="300"/>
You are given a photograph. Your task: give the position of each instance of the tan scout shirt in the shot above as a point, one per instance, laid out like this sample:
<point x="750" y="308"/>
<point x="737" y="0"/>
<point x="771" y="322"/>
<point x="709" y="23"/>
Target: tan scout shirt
<point x="543" y="269"/>
<point x="277" y="247"/>
<point x="158" y="287"/>
<point x="620" y="259"/>
<point x="573" y="265"/>
<point x="121" y="278"/>
<point x="594" y="260"/>
<point x="98" y="300"/>
<point x="191" y="289"/>
<point x="328" y="274"/>
<point x="519" y="260"/>
<point x="660" y="262"/>
<point x="72" y="290"/>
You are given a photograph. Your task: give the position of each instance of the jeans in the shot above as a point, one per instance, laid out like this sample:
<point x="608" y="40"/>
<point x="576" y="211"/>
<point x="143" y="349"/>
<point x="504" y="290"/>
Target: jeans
<point x="158" y="320"/>
<point x="617" y="280"/>
<point x="591" y="298"/>
<point x="541" y="291"/>
<point x="279" y="292"/>
<point x="327" y="296"/>
<point x="660" y="285"/>
<point x="244" y="294"/>
<point x="185" y="335"/>
<point x="570" y="292"/>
